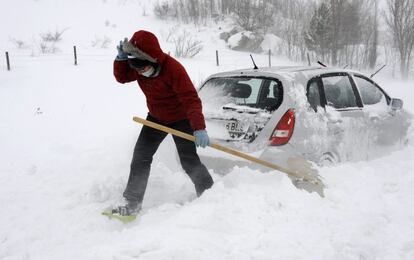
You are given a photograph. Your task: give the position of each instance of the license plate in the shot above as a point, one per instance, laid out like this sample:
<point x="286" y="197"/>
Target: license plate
<point x="234" y="126"/>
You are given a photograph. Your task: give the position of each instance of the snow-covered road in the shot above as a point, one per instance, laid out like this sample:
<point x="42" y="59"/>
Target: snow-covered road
<point x="66" y="140"/>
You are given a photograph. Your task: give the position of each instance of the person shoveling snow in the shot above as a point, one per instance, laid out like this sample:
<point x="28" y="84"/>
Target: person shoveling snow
<point x="172" y="101"/>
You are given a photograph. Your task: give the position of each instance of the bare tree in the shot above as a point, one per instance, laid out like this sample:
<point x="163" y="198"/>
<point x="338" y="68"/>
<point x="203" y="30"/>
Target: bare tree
<point x="318" y="38"/>
<point x="400" y="20"/>
<point x="373" y="55"/>
<point x="291" y="20"/>
<point x="254" y="15"/>
<point x="336" y="9"/>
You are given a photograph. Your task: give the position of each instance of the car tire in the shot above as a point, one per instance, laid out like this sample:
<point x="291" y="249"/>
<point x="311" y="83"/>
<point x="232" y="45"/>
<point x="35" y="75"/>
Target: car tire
<point x="328" y="159"/>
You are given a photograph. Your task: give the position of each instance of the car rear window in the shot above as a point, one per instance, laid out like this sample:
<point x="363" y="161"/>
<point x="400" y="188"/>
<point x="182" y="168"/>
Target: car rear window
<point x="254" y="92"/>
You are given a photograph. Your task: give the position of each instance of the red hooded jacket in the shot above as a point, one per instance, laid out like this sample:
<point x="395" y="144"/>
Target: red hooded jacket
<point x="171" y="95"/>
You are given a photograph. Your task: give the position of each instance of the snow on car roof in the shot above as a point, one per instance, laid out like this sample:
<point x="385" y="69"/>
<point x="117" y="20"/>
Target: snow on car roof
<point x="282" y="71"/>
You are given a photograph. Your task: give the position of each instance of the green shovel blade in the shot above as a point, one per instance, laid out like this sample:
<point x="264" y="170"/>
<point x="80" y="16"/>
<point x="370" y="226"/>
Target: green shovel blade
<point x="123" y="219"/>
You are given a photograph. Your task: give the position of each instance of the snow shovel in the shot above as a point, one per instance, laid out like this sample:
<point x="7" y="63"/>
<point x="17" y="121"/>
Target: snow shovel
<point x="302" y="175"/>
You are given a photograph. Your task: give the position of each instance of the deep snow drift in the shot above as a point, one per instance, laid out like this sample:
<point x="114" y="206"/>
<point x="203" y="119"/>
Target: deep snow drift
<point x="66" y="140"/>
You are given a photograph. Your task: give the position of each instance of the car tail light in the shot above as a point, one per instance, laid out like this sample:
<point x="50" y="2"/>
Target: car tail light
<point x="284" y="129"/>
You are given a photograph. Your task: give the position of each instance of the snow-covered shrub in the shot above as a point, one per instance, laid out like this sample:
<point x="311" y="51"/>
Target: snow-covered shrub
<point x="52" y="36"/>
<point x="49" y="40"/>
<point x="245" y="41"/>
<point x="163" y="10"/>
<point x="226" y="35"/>
<point x="20" y="44"/>
<point x="101" y="42"/>
<point x="45" y="47"/>
<point x="185" y="46"/>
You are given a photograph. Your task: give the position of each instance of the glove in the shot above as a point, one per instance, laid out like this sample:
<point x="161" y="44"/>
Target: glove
<point x="121" y="54"/>
<point x="201" y="138"/>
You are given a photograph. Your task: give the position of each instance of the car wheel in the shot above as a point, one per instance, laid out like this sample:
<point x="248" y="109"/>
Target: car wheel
<point x="328" y="159"/>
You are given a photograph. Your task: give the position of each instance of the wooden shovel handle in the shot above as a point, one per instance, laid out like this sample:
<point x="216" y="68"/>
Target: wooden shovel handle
<point x="189" y="137"/>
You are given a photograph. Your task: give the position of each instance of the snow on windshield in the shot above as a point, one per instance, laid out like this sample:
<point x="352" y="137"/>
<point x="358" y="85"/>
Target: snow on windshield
<point x="214" y="96"/>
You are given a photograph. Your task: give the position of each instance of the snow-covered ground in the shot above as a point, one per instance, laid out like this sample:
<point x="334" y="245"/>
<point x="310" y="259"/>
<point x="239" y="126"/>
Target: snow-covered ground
<point x="66" y="140"/>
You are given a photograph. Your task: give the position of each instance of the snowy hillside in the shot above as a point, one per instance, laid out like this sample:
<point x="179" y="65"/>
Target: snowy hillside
<point x="66" y="141"/>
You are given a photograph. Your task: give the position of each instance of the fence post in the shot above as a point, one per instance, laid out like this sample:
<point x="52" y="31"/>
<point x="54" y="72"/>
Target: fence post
<point x="8" y="60"/>
<point x="308" y="59"/>
<point x="75" y="55"/>
<point x="217" y="58"/>
<point x="270" y="58"/>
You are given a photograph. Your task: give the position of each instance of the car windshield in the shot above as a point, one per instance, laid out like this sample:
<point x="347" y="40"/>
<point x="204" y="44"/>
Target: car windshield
<point x="250" y="92"/>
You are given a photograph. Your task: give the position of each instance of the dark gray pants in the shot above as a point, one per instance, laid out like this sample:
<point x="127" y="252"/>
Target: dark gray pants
<point x="148" y="142"/>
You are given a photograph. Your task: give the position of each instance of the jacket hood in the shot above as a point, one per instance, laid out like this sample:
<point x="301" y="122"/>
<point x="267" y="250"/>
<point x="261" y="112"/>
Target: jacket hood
<point x="144" y="45"/>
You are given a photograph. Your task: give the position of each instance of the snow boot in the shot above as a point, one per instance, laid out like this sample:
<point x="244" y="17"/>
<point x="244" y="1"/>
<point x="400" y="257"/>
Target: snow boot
<point x="127" y="209"/>
<point x="125" y="213"/>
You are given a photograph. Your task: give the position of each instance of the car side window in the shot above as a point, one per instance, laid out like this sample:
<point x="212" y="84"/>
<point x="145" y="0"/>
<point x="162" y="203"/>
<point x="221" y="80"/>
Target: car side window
<point x="273" y="87"/>
<point x="370" y="93"/>
<point x="313" y="95"/>
<point x="339" y="92"/>
<point x="272" y="95"/>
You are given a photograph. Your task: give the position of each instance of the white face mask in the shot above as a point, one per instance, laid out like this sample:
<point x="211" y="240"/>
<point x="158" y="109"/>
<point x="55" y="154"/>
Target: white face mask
<point x="149" y="72"/>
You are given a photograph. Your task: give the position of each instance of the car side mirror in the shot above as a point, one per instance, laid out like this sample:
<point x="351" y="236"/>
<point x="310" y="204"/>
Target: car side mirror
<point x="396" y="104"/>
